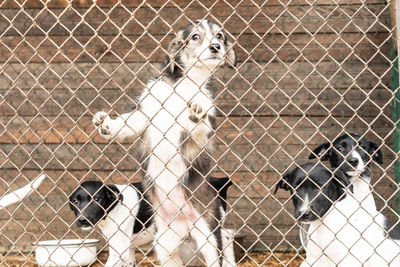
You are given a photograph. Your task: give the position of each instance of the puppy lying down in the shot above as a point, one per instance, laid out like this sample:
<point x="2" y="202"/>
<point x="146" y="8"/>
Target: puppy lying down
<point x="125" y="217"/>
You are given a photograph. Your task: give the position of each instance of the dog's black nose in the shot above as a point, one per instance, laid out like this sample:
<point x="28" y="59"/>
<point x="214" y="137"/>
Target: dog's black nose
<point x="306" y="215"/>
<point x="353" y="161"/>
<point x="81" y="221"/>
<point x="215" y="48"/>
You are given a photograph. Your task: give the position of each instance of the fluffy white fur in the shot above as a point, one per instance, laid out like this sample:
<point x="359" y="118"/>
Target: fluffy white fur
<point x="350" y="234"/>
<point x="163" y="114"/>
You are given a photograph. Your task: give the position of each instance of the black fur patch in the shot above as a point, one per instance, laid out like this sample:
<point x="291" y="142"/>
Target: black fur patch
<point x="322" y="185"/>
<point x="221" y="185"/>
<point x="213" y="123"/>
<point x="218" y="236"/>
<point x="393" y="231"/>
<point x="174" y="73"/>
<point x="145" y="214"/>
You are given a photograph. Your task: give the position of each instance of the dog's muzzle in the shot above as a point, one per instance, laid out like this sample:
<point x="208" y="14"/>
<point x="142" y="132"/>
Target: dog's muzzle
<point x="305" y="216"/>
<point x="83" y="223"/>
<point x="353" y="161"/>
<point x="215" y="48"/>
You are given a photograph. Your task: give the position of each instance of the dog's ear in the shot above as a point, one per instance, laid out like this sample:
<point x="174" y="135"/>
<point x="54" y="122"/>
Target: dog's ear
<point x="323" y="152"/>
<point x="230" y="59"/>
<point x="375" y="152"/>
<point x="173" y="50"/>
<point x="341" y="179"/>
<point x="286" y="182"/>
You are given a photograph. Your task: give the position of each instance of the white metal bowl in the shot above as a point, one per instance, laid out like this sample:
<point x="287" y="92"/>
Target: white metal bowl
<point x="66" y="252"/>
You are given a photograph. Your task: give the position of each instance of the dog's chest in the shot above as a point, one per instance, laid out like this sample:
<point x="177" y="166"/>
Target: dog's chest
<point x="167" y="107"/>
<point x="363" y="194"/>
<point x="163" y="100"/>
<point x="351" y="218"/>
<point x="347" y="227"/>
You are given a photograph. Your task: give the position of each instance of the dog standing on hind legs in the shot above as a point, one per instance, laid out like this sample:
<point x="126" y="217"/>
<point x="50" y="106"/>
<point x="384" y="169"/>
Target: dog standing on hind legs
<point x="175" y="118"/>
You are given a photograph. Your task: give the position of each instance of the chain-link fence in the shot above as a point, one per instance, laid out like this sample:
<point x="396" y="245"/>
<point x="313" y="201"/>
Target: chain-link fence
<point x="307" y="72"/>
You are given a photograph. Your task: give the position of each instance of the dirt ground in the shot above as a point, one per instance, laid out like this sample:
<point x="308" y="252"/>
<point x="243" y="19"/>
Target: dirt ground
<point x="253" y="259"/>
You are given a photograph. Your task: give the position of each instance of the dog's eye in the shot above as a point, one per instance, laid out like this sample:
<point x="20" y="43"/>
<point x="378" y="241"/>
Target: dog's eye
<point x="195" y="37"/>
<point x="75" y="201"/>
<point x="364" y="147"/>
<point x="96" y="199"/>
<point x="341" y="149"/>
<point x="219" y="36"/>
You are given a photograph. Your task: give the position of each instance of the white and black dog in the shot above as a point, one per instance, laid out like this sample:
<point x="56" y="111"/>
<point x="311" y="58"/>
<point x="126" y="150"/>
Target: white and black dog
<point x="175" y="119"/>
<point x="341" y="232"/>
<point x="353" y="154"/>
<point x="125" y="217"/>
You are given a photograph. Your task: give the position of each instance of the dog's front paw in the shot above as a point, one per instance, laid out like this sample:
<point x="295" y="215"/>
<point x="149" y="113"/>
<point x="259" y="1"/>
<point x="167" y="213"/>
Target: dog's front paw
<point x="100" y="120"/>
<point x="196" y="112"/>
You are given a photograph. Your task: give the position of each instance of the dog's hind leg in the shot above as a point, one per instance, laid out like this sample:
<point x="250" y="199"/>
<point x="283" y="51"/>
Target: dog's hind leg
<point x="227" y="248"/>
<point x="206" y="242"/>
<point x="167" y="243"/>
<point x="120" y="255"/>
<point x="119" y="235"/>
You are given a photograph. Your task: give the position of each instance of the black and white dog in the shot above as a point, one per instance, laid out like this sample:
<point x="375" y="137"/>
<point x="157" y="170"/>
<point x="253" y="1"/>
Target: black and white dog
<point x="125" y="217"/>
<point x="353" y="154"/>
<point x="341" y="232"/>
<point x="175" y="119"/>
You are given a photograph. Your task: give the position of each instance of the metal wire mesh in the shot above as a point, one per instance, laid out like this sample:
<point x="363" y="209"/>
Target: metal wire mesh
<point x="307" y="72"/>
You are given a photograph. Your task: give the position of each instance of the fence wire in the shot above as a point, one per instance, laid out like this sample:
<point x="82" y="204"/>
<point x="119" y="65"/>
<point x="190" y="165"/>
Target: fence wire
<point x="307" y="72"/>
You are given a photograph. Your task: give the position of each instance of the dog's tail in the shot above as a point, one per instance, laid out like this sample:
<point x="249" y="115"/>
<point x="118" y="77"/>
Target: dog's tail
<point x="221" y="185"/>
<point x="21" y="193"/>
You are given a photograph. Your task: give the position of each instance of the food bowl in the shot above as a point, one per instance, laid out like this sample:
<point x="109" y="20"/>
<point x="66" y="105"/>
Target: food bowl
<point x="66" y="252"/>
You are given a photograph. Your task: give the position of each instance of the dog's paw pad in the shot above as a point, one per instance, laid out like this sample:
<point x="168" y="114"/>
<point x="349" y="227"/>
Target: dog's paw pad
<point x="195" y="108"/>
<point x="105" y="130"/>
<point x="196" y="112"/>
<point x="99" y="118"/>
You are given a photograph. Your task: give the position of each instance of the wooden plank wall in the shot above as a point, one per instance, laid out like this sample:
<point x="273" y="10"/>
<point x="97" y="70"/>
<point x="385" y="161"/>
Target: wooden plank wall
<point x="305" y="74"/>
